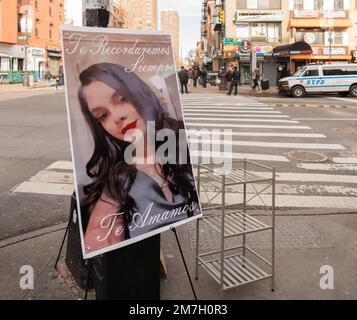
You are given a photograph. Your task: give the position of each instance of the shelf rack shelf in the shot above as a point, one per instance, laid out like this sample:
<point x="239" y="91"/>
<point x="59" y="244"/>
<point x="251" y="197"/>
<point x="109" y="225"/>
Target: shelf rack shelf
<point x="235" y="269"/>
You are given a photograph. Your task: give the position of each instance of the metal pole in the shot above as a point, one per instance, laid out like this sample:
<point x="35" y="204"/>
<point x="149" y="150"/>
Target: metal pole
<point x="330" y="42"/>
<point x="273" y="233"/>
<point x="222" y="229"/>
<point x="26" y="79"/>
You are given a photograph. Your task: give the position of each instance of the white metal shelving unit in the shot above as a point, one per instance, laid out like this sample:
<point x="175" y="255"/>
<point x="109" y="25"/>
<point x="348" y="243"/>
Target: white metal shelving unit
<point x="237" y="265"/>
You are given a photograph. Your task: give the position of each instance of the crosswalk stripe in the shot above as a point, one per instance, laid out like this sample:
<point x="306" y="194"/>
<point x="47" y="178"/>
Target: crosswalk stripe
<point x="233" y="125"/>
<point x="292" y="201"/>
<point x="208" y="112"/>
<point x="328" y="166"/>
<point x="344" y="160"/>
<point x="239" y="119"/>
<point x="198" y="154"/>
<point x="239" y="115"/>
<point x="325" y="146"/>
<point x="270" y="134"/>
<point x="311" y="177"/>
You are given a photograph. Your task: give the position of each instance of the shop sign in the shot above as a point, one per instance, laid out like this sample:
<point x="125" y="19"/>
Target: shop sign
<point x="263" y="50"/>
<point x="245" y="46"/>
<point x="227" y="41"/>
<point x="326" y="51"/>
<point x="306" y="14"/>
<point x="309" y="37"/>
<point x="334" y="14"/>
<point x="38" y="53"/>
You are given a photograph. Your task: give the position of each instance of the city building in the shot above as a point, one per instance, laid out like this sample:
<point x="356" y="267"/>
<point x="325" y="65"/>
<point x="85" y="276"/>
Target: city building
<point x="30" y="37"/>
<point x="328" y="26"/>
<point x="73" y="12"/>
<point x="170" y="21"/>
<point x="134" y="14"/>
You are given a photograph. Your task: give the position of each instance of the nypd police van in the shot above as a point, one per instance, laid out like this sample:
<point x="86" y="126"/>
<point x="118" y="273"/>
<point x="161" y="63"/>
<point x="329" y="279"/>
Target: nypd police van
<point x="327" y="78"/>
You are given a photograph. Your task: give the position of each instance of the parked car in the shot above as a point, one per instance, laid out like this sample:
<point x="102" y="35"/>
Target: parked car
<point x="212" y="78"/>
<point x="317" y="79"/>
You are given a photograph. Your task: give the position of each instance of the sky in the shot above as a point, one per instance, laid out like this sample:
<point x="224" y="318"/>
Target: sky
<point x="190" y="20"/>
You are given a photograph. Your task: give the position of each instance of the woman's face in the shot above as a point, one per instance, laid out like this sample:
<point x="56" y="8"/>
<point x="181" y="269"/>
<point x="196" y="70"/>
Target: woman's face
<point x="116" y="115"/>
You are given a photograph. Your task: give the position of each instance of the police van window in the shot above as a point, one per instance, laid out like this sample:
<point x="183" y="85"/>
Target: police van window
<point x="351" y="70"/>
<point x="333" y="72"/>
<point x="311" y="73"/>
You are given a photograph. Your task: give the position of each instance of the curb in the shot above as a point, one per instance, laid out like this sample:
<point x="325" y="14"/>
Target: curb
<point x="311" y="106"/>
<point x="33" y="234"/>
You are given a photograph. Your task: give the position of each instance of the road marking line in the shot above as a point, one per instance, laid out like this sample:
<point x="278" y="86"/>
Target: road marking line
<point x="61" y="165"/>
<point x="59" y="189"/>
<point x="326" y="119"/>
<point x="291" y="201"/>
<point x="240" y="119"/>
<point x="227" y="108"/>
<point x="311" y="177"/>
<point x="272" y="134"/>
<point x="229" y="125"/>
<point x="239" y="115"/>
<point x="270" y="144"/>
<point x="344" y="160"/>
<point x="328" y="166"/>
<point x="193" y="110"/>
<point x="351" y="100"/>
<point x="234" y="155"/>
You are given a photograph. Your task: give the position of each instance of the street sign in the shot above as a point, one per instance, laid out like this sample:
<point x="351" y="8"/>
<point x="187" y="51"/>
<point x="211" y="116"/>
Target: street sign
<point x="21" y="38"/>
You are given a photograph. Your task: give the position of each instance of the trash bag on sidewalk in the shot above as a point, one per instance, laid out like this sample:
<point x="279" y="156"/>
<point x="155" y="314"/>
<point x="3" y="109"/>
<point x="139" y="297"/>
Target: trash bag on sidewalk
<point x="264" y="84"/>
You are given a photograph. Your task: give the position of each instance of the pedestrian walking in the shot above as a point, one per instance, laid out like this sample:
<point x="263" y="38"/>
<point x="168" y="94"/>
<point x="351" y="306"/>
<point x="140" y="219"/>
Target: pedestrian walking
<point x="60" y="80"/>
<point x="195" y="76"/>
<point x="183" y="76"/>
<point x="48" y="77"/>
<point x="256" y="76"/>
<point x="228" y="77"/>
<point x="235" y="82"/>
<point x="204" y="78"/>
<point x="190" y="77"/>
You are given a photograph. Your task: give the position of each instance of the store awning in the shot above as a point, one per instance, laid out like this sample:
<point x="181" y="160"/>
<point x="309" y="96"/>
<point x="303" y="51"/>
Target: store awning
<point x="300" y="47"/>
<point x="319" y="23"/>
<point x="313" y="57"/>
<point x="259" y="18"/>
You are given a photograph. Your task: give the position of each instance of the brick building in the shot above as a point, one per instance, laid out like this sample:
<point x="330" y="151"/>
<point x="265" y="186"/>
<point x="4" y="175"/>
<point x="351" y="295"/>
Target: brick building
<point x="35" y="25"/>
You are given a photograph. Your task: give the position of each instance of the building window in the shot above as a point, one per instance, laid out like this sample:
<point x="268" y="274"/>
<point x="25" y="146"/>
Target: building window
<point x="338" y="4"/>
<point x="318" y="4"/>
<point x="338" y="37"/>
<point x="50" y="7"/>
<point x="37" y="28"/>
<point x="36" y="4"/>
<point x="299" y="4"/>
<point x="273" y="32"/>
<point x="50" y="32"/>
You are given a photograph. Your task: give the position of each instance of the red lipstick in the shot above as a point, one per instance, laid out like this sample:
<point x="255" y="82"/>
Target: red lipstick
<point x="131" y="125"/>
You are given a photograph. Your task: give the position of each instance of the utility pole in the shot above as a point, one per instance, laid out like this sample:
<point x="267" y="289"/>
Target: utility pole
<point x="26" y="76"/>
<point x="330" y="41"/>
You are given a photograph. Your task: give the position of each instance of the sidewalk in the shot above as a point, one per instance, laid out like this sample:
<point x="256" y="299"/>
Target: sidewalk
<point x="18" y="91"/>
<point x="244" y="90"/>
<point x="303" y="245"/>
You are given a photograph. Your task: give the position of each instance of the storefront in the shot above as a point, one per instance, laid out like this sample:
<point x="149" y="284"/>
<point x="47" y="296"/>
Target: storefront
<point x="36" y="61"/>
<point x="290" y="56"/>
<point x="53" y="60"/>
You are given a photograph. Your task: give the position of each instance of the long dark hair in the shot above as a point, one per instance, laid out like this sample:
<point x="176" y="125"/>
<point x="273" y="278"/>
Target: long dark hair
<point x="109" y="171"/>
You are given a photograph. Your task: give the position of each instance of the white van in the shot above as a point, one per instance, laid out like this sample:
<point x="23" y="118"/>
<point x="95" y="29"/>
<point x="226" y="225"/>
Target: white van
<point x="325" y="78"/>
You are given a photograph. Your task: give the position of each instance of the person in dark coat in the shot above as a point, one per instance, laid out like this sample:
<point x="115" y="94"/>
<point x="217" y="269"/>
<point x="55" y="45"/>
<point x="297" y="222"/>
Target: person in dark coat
<point x="183" y="76"/>
<point x="235" y="81"/>
<point x="228" y="78"/>
<point x="204" y="78"/>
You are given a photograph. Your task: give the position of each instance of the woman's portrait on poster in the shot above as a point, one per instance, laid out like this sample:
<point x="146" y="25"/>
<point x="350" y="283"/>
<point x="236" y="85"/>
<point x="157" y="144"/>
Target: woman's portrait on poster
<point x="128" y="199"/>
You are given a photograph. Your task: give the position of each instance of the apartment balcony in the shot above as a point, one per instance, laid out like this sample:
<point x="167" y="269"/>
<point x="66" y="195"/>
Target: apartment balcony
<point x="319" y="19"/>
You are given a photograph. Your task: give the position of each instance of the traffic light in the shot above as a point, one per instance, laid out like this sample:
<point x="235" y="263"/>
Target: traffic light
<point x="221" y="16"/>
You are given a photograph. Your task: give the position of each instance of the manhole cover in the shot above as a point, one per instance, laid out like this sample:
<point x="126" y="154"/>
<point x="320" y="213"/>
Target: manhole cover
<point x="346" y="130"/>
<point x="308" y="156"/>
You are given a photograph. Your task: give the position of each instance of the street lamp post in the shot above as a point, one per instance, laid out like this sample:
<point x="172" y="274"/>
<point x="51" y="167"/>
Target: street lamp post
<point x="330" y="41"/>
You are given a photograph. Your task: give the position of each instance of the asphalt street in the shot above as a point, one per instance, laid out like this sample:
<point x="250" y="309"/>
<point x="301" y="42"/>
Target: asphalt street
<point x="35" y="158"/>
